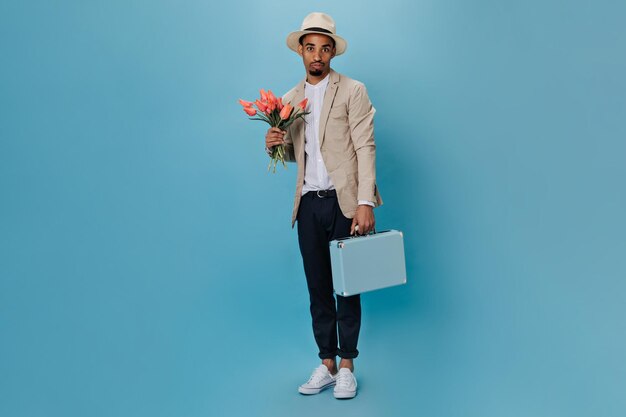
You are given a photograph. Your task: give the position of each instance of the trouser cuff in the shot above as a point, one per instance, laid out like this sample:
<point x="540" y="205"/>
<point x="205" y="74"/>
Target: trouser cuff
<point x="328" y="355"/>
<point x="343" y="354"/>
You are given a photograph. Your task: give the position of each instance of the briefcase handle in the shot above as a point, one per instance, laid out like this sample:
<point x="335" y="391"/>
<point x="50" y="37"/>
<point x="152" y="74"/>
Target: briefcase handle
<point x="356" y="229"/>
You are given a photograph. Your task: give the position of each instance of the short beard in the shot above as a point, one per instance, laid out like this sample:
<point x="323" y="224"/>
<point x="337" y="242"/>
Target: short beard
<point x="315" y="73"/>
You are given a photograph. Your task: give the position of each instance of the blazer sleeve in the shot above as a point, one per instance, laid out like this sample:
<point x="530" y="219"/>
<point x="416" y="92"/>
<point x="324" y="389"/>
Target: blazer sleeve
<point x="361" y="121"/>
<point x="290" y="155"/>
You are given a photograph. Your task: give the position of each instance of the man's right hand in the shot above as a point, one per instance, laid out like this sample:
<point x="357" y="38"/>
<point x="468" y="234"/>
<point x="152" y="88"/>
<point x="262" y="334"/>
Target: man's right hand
<point x="274" y="136"/>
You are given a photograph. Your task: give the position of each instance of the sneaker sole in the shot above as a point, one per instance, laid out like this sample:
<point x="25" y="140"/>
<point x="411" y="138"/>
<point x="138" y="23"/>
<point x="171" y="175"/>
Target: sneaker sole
<point x="313" y="391"/>
<point x="344" y="395"/>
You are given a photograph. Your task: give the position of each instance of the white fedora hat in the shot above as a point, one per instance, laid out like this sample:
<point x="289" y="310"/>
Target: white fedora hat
<point x="317" y="23"/>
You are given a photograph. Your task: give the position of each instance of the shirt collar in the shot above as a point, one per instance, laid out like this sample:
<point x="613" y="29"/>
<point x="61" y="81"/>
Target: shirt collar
<point x="321" y="84"/>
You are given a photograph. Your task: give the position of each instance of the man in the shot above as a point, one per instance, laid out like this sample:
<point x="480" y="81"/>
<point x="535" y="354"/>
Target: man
<point x="335" y="191"/>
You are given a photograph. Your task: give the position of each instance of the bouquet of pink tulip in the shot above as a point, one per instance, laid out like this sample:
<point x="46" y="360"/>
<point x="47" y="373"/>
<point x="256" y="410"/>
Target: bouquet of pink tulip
<point x="270" y="109"/>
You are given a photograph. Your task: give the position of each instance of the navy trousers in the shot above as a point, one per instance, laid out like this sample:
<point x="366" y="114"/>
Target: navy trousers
<point x="320" y="220"/>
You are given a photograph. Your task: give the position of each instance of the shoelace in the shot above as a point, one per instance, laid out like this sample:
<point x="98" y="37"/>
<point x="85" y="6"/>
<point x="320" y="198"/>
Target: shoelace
<point x="343" y="380"/>
<point x="318" y="375"/>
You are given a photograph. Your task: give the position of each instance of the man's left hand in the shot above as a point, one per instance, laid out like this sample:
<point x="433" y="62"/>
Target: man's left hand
<point x="364" y="218"/>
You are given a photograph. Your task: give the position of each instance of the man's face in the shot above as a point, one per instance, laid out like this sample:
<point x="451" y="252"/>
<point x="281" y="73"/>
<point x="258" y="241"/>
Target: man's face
<point x="317" y="51"/>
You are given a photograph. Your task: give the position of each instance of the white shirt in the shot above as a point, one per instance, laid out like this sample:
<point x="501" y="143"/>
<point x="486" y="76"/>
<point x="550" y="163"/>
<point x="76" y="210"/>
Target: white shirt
<point x="315" y="174"/>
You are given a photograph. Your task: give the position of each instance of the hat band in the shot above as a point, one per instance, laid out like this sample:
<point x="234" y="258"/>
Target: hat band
<point x="319" y="30"/>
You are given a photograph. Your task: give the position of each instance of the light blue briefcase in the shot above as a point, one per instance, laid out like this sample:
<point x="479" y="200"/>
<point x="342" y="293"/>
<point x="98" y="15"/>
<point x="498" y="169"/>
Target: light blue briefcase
<point x="367" y="263"/>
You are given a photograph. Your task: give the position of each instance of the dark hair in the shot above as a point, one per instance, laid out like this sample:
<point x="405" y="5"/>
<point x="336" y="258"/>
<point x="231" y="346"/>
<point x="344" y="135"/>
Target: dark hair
<point x="302" y="37"/>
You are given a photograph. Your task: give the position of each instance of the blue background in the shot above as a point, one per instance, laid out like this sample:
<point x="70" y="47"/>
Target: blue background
<point x="147" y="263"/>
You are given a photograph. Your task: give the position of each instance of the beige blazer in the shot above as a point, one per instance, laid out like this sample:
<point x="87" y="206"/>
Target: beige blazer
<point x="346" y="141"/>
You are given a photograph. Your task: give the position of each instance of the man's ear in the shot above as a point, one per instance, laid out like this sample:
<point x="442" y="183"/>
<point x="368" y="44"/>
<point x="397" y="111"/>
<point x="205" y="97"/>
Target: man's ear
<point x="300" y="49"/>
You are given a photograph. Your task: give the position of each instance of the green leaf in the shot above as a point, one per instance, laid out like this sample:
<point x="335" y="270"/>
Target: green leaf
<point x="262" y="120"/>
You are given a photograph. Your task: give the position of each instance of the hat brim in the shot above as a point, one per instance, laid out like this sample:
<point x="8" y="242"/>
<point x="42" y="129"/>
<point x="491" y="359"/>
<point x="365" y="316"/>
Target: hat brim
<point x="293" y="40"/>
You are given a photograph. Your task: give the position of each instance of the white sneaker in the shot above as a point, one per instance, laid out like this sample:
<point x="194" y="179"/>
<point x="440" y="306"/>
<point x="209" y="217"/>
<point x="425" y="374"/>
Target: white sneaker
<point x="319" y="381"/>
<point x="346" y="384"/>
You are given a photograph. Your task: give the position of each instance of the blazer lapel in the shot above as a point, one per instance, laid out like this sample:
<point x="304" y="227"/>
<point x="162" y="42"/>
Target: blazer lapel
<point x="329" y="97"/>
<point x="299" y="125"/>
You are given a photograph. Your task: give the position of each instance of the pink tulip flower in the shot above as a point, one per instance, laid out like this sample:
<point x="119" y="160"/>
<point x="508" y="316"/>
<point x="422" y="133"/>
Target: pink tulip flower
<point x="261" y="106"/>
<point x="286" y="111"/>
<point x="250" y="111"/>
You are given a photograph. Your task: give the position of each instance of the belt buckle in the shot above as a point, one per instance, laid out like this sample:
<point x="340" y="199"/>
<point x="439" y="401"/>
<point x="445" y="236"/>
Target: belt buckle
<point x="323" y="194"/>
